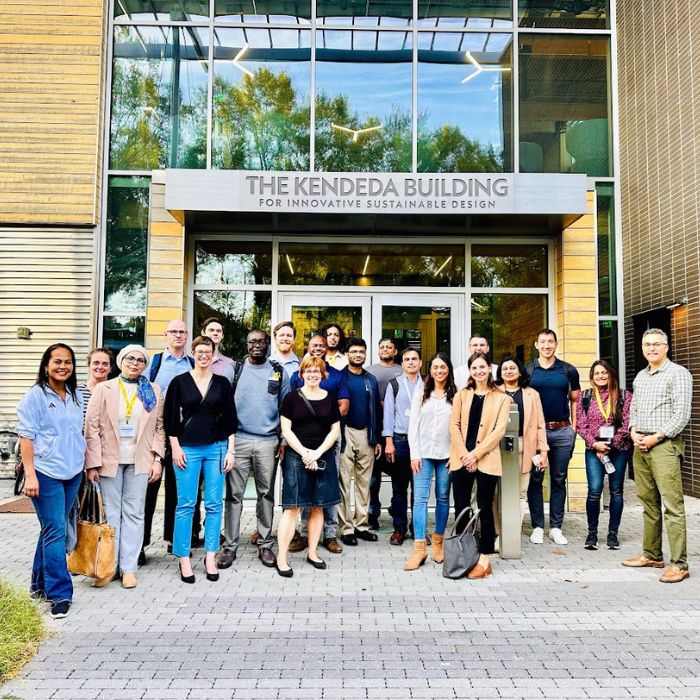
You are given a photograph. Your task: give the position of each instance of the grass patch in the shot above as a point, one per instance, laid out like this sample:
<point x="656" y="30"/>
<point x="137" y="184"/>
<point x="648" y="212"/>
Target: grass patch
<point x="21" y="630"/>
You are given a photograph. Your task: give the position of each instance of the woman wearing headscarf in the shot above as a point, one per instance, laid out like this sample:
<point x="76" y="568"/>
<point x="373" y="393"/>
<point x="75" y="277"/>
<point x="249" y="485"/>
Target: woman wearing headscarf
<point x="125" y="446"/>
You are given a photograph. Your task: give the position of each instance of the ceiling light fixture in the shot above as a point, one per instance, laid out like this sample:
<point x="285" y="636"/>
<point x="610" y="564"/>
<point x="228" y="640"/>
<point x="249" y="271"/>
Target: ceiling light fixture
<point x="289" y="264"/>
<point x="442" y="267"/>
<point x="364" y="269"/>
<point x="480" y="68"/>
<point x="238" y="57"/>
<point x="356" y="133"/>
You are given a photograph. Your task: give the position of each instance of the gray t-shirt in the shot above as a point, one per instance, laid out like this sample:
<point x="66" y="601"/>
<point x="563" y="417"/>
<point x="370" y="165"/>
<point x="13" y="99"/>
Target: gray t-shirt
<point x="384" y="375"/>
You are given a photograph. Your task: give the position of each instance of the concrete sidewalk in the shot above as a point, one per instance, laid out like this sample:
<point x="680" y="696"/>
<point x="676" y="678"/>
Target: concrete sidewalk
<point x="562" y="622"/>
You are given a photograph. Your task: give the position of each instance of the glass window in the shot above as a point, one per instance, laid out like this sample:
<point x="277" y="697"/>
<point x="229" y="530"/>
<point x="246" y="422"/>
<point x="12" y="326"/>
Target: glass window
<point x="263" y="11"/>
<point x="564" y="104"/>
<point x="363" y="101"/>
<point x="365" y="13"/>
<point x="262" y="83"/>
<point x="608" y="343"/>
<point x="162" y="10"/>
<point x="355" y="264"/>
<point x="569" y="14"/>
<point x="120" y="331"/>
<point x="159" y="98"/>
<point x="509" y="322"/>
<point x="240" y="312"/>
<point x="607" y="272"/>
<point x="464" y="13"/>
<point x="223" y="262"/>
<point x="309" y="320"/>
<point x="509" y="266"/>
<point x="126" y="245"/>
<point x="465" y="102"/>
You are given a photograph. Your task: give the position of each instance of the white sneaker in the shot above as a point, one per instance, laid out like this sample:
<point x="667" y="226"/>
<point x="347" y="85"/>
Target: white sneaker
<point x="555" y="534"/>
<point x="537" y="536"/>
<point x="497" y="544"/>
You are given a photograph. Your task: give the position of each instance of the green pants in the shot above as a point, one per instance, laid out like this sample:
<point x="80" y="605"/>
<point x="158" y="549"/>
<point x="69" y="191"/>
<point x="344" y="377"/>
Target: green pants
<point x="657" y="474"/>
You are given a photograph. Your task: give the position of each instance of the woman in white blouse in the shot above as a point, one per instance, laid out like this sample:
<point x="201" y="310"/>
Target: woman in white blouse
<point x="429" y="442"/>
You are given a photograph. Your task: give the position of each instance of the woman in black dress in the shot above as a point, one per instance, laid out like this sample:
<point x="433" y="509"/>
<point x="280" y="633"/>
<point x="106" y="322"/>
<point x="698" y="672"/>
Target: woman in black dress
<point x="311" y="425"/>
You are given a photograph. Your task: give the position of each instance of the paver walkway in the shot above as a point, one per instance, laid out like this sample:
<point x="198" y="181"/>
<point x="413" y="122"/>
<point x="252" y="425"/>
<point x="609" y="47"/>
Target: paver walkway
<point x="562" y="622"/>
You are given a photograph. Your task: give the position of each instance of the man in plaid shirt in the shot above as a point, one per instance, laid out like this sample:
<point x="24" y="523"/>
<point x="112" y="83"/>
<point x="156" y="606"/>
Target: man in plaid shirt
<point x="660" y="410"/>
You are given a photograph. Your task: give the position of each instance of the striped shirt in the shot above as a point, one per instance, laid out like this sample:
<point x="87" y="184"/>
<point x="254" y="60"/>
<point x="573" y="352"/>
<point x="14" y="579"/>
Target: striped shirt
<point x="662" y="400"/>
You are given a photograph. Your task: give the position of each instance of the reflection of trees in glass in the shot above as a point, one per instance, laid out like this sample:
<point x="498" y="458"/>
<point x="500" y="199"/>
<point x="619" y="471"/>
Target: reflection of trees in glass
<point x="259" y="123"/>
<point x="216" y="264"/>
<point x="517" y="266"/>
<point x="120" y="331"/>
<point x="448" y="150"/>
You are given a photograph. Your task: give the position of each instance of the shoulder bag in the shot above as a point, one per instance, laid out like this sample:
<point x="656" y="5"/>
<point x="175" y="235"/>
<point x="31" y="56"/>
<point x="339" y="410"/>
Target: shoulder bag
<point x="461" y="551"/>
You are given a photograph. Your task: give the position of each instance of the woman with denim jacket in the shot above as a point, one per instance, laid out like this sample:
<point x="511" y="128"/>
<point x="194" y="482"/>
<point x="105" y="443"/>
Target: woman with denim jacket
<point x="602" y="420"/>
<point x="50" y="427"/>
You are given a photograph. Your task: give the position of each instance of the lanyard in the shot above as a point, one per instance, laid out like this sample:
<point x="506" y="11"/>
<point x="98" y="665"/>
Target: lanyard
<point x="605" y="412"/>
<point x="129" y="402"/>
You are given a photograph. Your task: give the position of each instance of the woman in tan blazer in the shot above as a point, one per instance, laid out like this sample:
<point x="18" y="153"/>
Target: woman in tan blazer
<point x="477" y="425"/>
<point x="125" y="445"/>
<point x="533" y="435"/>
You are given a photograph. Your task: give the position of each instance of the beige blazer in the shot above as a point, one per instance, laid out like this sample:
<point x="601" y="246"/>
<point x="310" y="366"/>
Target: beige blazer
<point x="494" y="421"/>
<point x="102" y="431"/>
<point x="534" y="430"/>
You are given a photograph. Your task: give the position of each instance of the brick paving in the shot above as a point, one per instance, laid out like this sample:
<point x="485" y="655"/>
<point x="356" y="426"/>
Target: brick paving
<point x="562" y="622"/>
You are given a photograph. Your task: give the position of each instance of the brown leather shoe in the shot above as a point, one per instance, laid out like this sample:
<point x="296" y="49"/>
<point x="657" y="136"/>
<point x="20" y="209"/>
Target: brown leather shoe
<point x="397" y="537"/>
<point x="298" y="543"/>
<point x="226" y="558"/>
<point x="332" y="545"/>
<point x="674" y="574"/>
<point x="254" y="537"/>
<point x="642" y="561"/>
<point x="479" y="572"/>
<point x="267" y="556"/>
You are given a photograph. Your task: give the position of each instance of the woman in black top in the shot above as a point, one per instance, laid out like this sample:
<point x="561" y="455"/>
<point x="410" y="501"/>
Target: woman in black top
<point x="200" y="418"/>
<point x="311" y="425"/>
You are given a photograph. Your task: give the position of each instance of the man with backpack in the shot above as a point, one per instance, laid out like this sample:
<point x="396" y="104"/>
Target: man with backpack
<point x="259" y="386"/>
<point x="162" y="369"/>
<point x="558" y="385"/>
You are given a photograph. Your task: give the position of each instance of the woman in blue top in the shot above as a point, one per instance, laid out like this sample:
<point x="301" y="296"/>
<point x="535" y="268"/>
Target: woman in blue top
<point x="50" y="428"/>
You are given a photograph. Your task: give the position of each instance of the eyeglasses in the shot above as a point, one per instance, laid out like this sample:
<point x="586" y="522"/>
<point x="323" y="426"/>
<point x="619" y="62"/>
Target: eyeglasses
<point x="177" y="332"/>
<point x="654" y="346"/>
<point x="257" y="342"/>
<point x="203" y="353"/>
<point x="131" y="359"/>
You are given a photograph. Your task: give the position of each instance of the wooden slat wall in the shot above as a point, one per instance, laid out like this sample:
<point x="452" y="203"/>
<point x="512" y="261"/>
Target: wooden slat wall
<point x="51" y="68"/>
<point x="46" y="283"/>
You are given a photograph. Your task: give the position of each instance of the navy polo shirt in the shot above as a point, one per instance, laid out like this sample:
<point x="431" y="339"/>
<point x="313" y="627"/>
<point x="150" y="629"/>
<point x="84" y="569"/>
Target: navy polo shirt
<point x="553" y="384"/>
<point x="358" y="413"/>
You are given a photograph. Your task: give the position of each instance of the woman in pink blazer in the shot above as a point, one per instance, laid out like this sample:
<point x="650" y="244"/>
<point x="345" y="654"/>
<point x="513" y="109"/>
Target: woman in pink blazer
<point x="125" y="445"/>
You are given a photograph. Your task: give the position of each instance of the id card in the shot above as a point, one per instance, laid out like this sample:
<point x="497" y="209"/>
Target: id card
<point x="607" y="432"/>
<point x="127" y="430"/>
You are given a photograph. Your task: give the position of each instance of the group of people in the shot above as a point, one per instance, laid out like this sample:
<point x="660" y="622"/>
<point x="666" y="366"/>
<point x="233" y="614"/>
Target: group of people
<point x="203" y="422"/>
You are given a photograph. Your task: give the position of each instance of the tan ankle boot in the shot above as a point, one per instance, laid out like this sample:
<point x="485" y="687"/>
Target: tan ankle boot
<point x="420" y="554"/>
<point x="438" y="550"/>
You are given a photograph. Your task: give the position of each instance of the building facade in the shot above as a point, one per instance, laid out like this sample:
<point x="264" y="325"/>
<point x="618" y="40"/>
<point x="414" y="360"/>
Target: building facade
<point x="415" y="169"/>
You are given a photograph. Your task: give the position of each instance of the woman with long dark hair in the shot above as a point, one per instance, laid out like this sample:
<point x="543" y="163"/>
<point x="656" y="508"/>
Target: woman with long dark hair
<point x="429" y="444"/>
<point x="50" y="426"/>
<point x="602" y="420"/>
<point x="479" y="421"/>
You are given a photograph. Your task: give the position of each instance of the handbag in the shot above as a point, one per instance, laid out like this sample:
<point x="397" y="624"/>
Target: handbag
<point x="93" y="555"/>
<point x="461" y="551"/>
<point x="20" y="478"/>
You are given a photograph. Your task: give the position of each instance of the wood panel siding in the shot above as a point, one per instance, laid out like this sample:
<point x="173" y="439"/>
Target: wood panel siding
<point x="51" y="85"/>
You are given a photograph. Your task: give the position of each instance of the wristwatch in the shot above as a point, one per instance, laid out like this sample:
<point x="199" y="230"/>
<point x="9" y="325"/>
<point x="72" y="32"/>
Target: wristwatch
<point x="158" y="458"/>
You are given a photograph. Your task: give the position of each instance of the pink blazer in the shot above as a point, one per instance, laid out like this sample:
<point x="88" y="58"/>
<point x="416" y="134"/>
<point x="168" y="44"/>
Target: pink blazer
<point x="102" y="431"/>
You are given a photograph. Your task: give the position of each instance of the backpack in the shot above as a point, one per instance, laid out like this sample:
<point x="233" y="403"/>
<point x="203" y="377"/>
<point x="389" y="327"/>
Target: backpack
<point x="238" y="370"/>
<point x="157" y="361"/>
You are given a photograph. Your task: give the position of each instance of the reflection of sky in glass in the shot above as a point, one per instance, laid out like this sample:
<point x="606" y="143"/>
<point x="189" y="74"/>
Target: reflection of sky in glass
<point x="257" y="11"/>
<point x="476" y="106"/>
<point x="161" y="10"/>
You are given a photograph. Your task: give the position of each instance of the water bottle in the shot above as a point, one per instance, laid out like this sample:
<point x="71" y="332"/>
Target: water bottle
<point x="607" y="463"/>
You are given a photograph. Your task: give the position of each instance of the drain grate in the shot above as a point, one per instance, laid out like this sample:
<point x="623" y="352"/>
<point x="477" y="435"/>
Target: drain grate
<point x="22" y="504"/>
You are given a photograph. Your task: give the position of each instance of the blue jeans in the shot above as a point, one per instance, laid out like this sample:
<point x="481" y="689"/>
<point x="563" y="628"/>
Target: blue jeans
<point x="421" y="492"/>
<point x="561" y="446"/>
<point x="52" y="505"/>
<point x="595" y="473"/>
<point x="209" y="460"/>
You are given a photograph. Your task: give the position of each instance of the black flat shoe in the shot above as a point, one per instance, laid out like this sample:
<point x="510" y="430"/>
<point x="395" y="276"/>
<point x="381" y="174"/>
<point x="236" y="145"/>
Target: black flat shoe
<point x="285" y="573"/>
<point x="183" y="578"/>
<point x="142" y="558"/>
<point x="210" y="577"/>
<point x="317" y="564"/>
<point x="349" y="540"/>
<point x="366" y="535"/>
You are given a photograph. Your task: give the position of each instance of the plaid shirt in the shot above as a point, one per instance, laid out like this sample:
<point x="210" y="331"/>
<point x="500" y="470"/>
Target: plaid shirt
<point x="662" y="400"/>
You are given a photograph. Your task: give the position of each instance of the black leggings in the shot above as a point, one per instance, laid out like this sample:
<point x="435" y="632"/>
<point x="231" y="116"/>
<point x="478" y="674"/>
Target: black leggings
<point x="462" y="484"/>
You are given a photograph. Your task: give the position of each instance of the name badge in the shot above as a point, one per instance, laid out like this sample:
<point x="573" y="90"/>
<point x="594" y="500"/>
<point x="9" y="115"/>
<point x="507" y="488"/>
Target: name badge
<point x="127" y="430"/>
<point x="607" y="432"/>
<point x="407" y="413"/>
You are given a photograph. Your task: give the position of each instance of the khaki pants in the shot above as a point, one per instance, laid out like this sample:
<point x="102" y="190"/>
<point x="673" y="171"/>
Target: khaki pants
<point x="657" y="474"/>
<point x="358" y="457"/>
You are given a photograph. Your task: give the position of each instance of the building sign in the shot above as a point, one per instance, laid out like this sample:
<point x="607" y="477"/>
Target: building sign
<point x="379" y="193"/>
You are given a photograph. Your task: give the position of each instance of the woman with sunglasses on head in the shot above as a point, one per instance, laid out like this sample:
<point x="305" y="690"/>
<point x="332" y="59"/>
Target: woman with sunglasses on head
<point x="99" y="364"/>
<point x="602" y="420"/>
<point x="478" y="423"/>
<point x="50" y="429"/>
<point x="125" y="447"/>
<point x="200" y="420"/>
<point x="429" y="445"/>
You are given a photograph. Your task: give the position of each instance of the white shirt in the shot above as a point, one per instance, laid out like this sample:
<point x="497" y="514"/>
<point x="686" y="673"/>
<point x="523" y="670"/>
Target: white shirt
<point x="429" y="427"/>
<point x="337" y="361"/>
